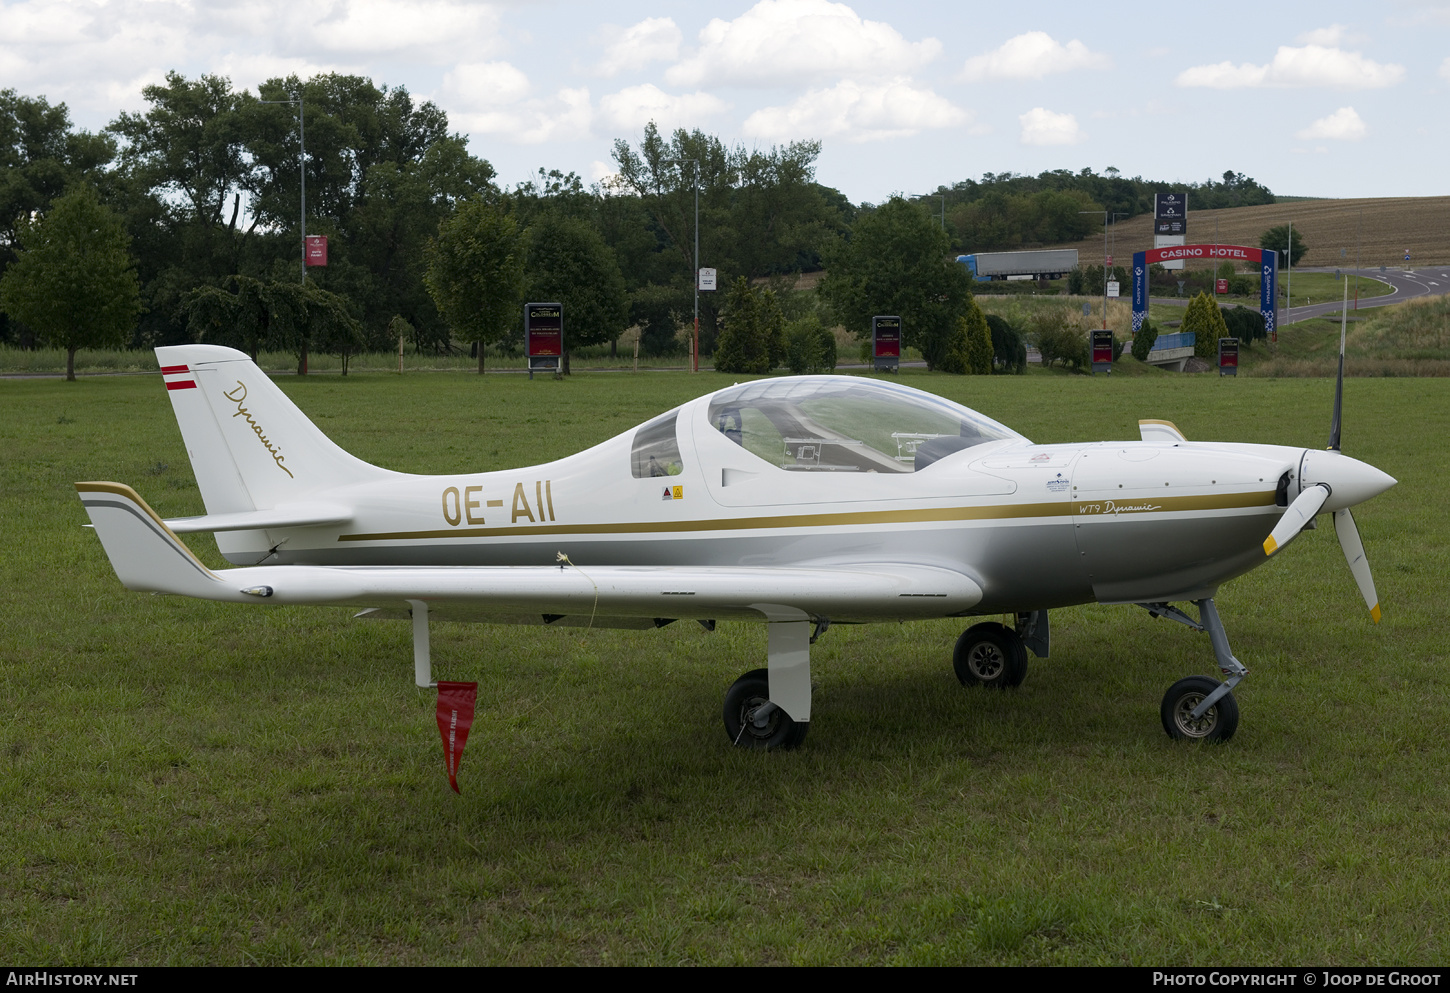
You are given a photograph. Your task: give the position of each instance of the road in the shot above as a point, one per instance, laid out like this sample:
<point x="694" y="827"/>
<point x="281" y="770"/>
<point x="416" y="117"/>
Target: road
<point x="1407" y="284"/>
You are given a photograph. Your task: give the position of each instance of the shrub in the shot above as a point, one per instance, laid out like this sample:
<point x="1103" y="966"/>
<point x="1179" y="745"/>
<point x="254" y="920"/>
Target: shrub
<point x="810" y="347"/>
<point x="1143" y="340"/>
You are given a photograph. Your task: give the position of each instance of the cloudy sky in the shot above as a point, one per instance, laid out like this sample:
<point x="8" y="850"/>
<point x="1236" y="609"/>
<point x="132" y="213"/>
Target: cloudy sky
<point x="1328" y="99"/>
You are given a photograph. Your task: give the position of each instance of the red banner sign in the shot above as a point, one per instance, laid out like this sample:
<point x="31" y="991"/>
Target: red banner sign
<point x="317" y="249"/>
<point x="1220" y="286"/>
<point x="455" y="718"/>
<point x="1231" y="253"/>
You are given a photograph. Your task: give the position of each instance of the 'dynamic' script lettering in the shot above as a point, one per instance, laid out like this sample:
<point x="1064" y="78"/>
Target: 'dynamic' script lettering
<point x="238" y="395"/>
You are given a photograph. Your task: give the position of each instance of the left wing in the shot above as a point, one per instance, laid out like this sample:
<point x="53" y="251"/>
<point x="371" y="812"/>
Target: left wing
<point x="148" y="556"/>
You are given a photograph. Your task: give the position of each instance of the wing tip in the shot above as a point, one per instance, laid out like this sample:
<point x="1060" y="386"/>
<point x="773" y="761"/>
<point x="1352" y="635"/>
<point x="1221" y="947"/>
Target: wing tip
<point x="1270" y="545"/>
<point x="1374" y="613"/>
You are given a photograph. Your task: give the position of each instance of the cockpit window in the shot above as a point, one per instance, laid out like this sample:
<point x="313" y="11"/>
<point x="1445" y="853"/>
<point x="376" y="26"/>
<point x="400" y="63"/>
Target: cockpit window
<point x="655" y="451"/>
<point x="840" y="424"/>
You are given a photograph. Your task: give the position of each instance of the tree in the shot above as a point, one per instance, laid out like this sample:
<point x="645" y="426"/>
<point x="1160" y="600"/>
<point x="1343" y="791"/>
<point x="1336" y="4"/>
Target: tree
<point x="1009" y="351"/>
<point x="1245" y="324"/>
<point x="897" y="261"/>
<point x="569" y="262"/>
<point x="74" y="283"/>
<point x="979" y="340"/>
<point x="753" y="338"/>
<point x="1204" y="319"/>
<point x="40" y="158"/>
<point x="1276" y="238"/>
<point x="476" y="273"/>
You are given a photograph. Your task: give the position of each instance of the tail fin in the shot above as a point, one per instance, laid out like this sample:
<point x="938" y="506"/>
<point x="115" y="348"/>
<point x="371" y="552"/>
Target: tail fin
<point x="250" y="447"/>
<point x="142" y="549"/>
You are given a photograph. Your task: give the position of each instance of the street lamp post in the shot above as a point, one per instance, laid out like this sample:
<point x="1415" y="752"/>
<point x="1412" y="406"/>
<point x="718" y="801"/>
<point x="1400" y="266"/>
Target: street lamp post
<point x="923" y="196"/>
<point x="301" y="169"/>
<point x="695" y="351"/>
<point x="1105" y="261"/>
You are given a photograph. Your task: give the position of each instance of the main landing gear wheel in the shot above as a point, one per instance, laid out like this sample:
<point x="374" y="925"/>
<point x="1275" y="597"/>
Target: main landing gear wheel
<point x="1218" y="722"/>
<point x="752" y="721"/>
<point x="990" y="654"/>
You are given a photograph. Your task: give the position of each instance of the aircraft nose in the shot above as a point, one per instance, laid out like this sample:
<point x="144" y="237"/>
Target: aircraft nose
<point x="1350" y="481"/>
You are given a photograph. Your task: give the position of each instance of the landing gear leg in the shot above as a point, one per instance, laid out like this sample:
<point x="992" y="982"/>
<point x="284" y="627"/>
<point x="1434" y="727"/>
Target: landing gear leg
<point x="1200" y="707"/>
<point x="422" y="659"/>
<point x="771" y="708"/>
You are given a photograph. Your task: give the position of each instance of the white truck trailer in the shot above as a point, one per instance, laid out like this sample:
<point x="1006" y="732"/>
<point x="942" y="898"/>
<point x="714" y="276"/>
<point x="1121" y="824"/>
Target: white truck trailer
<point x="1051" y="263"/>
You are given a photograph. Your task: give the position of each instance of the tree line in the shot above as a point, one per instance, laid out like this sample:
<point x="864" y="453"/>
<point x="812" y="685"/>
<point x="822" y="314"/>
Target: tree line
<point x="195" y="202"/>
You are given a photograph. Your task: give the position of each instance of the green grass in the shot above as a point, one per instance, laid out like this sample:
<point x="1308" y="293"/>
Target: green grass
<point x="1408" y="339"/>
<point x="1326" y="287"/>
<point x="187" y="782"/>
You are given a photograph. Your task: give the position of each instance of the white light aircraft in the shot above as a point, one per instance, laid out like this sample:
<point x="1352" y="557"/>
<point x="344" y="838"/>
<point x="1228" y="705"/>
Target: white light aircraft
<point x="798" y="502"/>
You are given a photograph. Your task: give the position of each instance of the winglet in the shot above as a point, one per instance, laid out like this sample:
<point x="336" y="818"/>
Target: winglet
<point x="145" y="553"/>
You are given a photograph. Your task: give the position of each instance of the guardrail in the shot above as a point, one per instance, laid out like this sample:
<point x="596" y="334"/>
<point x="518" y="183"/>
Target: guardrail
<point x="1183" y="339"/>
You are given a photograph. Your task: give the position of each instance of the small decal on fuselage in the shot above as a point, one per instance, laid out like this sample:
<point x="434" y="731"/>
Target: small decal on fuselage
<point x="1113" y="507"/>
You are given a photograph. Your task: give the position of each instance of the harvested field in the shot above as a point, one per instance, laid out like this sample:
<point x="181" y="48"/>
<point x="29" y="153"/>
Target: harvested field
<point x="1383" y="228"/>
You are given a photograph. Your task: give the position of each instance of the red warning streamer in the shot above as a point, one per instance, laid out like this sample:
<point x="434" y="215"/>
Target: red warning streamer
<point x="455" y="718"/>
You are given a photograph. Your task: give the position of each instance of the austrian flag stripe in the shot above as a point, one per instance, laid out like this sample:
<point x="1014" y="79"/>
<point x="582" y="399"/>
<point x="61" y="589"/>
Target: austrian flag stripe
<point x="178" y="377"/>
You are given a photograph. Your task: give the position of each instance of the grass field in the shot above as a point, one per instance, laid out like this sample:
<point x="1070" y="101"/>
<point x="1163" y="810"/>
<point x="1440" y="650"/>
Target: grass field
<point x="187" y="782"/>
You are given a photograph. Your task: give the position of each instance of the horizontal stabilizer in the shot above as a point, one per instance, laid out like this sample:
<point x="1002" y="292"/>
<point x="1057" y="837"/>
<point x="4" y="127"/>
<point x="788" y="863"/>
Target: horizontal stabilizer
<point x="1155" y="430"/>
<point x="145" y="553"/>
<point x="294" y="515"/>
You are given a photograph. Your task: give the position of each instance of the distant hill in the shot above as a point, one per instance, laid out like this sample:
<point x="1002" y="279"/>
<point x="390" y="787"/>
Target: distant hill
<point x="1382" y="228"/>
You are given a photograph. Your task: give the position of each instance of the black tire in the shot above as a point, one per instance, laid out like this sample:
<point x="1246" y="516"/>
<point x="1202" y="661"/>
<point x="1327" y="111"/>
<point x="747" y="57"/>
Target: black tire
<point x="990" y="654"/>
<point x="742" y="700"/>
<point x="1218" y="723"/>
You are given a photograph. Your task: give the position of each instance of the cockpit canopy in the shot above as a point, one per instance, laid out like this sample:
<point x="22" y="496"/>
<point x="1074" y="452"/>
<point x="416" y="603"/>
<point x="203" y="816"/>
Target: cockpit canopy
<point x="844" y="424"/>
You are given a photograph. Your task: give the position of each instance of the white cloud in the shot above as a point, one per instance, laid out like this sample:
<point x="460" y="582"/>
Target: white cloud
<point x="484" y="84"/>
<point x="857" y="112"/>
<point x="654" y="39"/>
<point x="435" y="31"/>
<point x="606" y="173"/>
<point x="566" y="116"/>
<point x="792" y="41"/>
<point x="1329" y="37"/>
<point x="1032" y="56"/>
<point x="635" y="106"/>
<point x="1043" y="127"/>
<point x="1344" y="125"/>
<point x="97" y="54"/>
<point x="1312" y="65"/>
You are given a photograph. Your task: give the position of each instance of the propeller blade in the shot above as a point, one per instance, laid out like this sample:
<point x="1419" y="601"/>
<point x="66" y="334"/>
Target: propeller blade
<point x="1359" y="565"/>
<point x="1300" y="513"/>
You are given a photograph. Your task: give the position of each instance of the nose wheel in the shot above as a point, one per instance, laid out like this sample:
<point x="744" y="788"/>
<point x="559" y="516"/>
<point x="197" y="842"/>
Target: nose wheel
<point x="1217" y="722"/>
